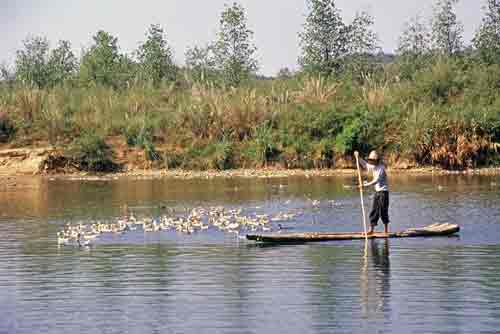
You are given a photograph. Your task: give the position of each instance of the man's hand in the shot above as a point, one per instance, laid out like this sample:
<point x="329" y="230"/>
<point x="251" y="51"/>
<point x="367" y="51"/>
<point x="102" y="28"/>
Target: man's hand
<point x="356" y="154"/>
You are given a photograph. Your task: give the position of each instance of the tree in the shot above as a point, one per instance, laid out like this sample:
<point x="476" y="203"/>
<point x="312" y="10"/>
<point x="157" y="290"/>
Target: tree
<point x="32" y="62"/>
<point x="62" y="63"/>
<point x="101" y="63"/>
<point x="284" y="73"/>
<point x="6" y="74"/>
<point x="415" y="39"/>
<point x="127" y="71"/>
<point x="38" y="66"/>
<point x="155" y="57"/>
<point x="328" y="43"/>
<point x="362" y="46"/>
<point x="200" y="63"/>
<point x="447" y="31"/>
<point x="487" y="38"/>
<point x="234" y="51"/>
<point x="362" y="39"/>
<point x="324" y="40"/>
<point x="413" y="48"/>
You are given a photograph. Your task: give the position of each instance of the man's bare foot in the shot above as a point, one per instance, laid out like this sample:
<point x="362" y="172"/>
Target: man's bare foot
<point x="370" y="232"/>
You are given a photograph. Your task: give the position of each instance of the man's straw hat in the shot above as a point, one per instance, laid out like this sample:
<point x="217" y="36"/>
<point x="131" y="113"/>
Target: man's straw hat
<point x="373" y="155"/>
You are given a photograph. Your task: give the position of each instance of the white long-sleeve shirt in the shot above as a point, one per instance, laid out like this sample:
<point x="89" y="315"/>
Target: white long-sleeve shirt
<point x="379" y="175"/>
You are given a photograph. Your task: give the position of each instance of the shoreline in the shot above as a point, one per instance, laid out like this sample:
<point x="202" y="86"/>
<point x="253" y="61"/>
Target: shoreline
<point x="244" y="173"/>
<point x="32" y="162"/>
<point x="13" y="182"/>
<point x="264" y="173"/>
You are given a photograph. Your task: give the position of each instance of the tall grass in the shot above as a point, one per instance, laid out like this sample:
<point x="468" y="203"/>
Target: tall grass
<point x="445" y="114"/>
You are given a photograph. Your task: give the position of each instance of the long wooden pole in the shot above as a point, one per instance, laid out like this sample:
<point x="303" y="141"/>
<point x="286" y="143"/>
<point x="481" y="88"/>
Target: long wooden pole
<point x="361" y="195"/>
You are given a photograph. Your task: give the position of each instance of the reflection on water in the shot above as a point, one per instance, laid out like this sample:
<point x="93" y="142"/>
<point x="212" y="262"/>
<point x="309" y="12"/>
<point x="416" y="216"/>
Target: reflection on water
<point x="216" y="283"/>
<point x="375" y="280"/>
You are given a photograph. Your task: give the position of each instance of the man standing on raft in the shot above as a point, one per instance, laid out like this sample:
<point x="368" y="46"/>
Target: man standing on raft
<point x="380" y="208"/>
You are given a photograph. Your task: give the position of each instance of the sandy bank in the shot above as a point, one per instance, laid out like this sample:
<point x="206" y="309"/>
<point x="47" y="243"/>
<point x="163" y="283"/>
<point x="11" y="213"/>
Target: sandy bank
<point x="16" y="163"/>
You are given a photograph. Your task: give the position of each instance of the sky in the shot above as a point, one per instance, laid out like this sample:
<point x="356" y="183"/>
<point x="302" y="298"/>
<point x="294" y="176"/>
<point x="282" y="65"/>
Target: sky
<point x="275" y="23"/>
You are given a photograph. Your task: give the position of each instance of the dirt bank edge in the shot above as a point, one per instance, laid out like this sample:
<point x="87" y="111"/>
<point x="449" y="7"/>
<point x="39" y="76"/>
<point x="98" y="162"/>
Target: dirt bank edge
<point x="40" y="161"/>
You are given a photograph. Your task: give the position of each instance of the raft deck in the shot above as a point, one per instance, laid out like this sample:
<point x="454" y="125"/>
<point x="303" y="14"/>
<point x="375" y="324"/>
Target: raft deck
<point x="428" y="231"/>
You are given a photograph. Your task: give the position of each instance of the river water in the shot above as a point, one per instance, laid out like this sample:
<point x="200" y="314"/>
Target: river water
<point x="212" y="282"/>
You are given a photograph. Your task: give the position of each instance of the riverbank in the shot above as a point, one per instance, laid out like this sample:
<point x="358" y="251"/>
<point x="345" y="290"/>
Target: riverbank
<point x="48" y="162"/>
<point x="444" y="115"/>
<point x="263" y="173"/>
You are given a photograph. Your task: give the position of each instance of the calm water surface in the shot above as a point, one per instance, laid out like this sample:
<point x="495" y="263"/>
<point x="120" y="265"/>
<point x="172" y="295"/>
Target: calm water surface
<point x="215" y="283"/>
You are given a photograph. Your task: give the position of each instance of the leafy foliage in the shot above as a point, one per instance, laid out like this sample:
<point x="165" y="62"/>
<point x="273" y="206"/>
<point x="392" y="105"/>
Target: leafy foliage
<point x="200" y="63"/>
<point x="264" y="149"/>
<point x="38" y="66"/>
<point x="303" y="122"/>
<point x="32" y="62"/>
<point x="7" y="129"/>
<point x="91" y="153"/>
<point x="234" y="51"/>
<point x="447" y="31"/>
<point x="363" y="45"/>
<point x="324" y="40"/>
<point x="362" y="39"/>
<point x="350" y="137"/>
<point x="284" y="73"/>
<point x="328" y="43"/>
<point x="415" y="39"/>
<point x="221" y="155"/>
<point x="155" y="57"/>
<point x="6" y="74"/>
<point x="62" y="63"/>
<point x="487" y="38"/>
<point x="414" y="48"/>
<point x="428" y="107"/>
<point x="102" y="63"/>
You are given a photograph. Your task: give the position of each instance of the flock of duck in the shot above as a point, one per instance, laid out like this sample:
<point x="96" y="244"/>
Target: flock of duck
<point x="197" y="220"/>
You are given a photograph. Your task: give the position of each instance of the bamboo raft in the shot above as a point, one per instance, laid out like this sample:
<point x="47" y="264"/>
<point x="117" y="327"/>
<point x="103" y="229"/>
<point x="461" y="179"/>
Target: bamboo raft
<point x="433" y="230"/>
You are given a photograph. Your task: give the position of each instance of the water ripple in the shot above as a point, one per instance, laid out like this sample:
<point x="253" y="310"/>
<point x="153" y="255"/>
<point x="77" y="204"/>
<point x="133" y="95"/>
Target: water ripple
<point x="214" y="283"/>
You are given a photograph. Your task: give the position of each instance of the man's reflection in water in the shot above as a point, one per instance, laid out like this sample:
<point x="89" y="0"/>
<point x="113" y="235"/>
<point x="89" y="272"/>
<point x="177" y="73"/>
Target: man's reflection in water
<point x="375" y="279"/>
<point x="380" y="258"/>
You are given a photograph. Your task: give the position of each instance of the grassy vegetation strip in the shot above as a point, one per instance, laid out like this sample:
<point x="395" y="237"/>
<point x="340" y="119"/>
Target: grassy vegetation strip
<point x="447" y="116"/>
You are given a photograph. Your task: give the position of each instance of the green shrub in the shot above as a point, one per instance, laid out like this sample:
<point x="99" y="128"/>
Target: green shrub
<point x="91" y="153"/>
<point x="431" y="110"/>
<point x="324" y="153"/>
<point x="441" y="81"/>
<point x="151" y="152"/>
<point x="7" y="129"/>
<point x="223" y="156"/>
<point x="299" y="153"/>
<point x="483" y="85"/>
<point x="141" y="134"/>
<point x="219" y="155"/>
<point x="132" y="134"/>
<point x="311" y="120"/>
<point x="138" y="134"/>
<point x="408" y="66"/>
<point x="350" y="137"/>
<point x="265" y="149"/>
<point x="172" y="159"/>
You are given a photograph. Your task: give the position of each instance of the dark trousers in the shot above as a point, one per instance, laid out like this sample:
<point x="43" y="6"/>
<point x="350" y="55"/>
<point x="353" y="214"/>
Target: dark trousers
<point x="380" y="208"/>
